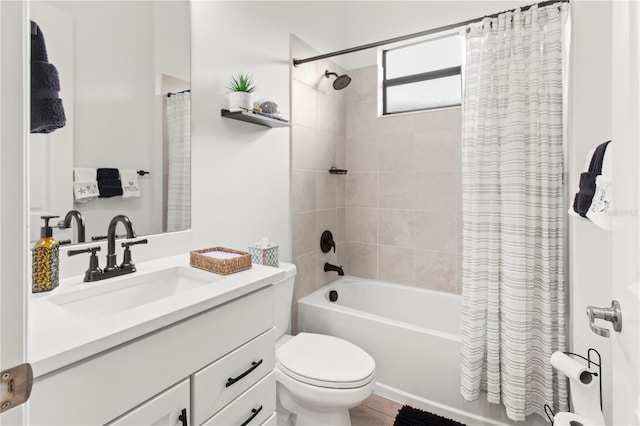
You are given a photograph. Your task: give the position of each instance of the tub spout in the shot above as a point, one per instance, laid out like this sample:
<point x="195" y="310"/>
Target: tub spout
<point x="329" y="267"/>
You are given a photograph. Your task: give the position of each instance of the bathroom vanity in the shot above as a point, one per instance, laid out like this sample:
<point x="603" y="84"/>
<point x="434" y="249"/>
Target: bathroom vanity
<point x="169" y="344"/>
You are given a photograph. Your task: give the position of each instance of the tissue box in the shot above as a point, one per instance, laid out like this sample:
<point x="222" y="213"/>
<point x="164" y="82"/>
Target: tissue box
<point x="267" y="256"/>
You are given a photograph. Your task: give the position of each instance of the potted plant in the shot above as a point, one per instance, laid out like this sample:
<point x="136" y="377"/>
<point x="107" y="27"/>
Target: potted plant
<point x="241" y="88"/>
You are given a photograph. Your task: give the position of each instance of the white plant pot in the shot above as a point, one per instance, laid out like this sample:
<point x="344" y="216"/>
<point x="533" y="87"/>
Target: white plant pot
<point x="240" y="100"/>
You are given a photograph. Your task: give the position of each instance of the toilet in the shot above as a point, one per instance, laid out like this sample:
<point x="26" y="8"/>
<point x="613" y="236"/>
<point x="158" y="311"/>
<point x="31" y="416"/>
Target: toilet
<point x="319" y="377"/>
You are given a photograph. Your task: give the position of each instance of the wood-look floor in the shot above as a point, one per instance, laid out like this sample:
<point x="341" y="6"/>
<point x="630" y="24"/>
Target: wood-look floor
<point x="375" y="411"/>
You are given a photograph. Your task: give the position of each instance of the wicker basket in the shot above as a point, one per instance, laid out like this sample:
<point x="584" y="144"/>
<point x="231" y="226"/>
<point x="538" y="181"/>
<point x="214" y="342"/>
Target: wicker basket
<point x="220" y="266"/>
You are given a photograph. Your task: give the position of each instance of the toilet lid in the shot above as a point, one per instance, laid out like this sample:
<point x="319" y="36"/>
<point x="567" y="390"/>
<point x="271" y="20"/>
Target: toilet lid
<point x="327" y="361"/>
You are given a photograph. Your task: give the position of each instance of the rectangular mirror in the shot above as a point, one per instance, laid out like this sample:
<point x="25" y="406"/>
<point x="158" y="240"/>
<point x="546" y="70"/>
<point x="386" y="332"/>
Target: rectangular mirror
<point x="124" y="74"/>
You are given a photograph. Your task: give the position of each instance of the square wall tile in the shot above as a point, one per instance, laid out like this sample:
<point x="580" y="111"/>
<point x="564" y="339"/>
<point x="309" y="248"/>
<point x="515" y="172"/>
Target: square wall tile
<point x="325" y="153"/>
<point x="326" y="185"/>
<point x="362" y="225"/>
<point x="361" y="190"/>
<point x="364" y="84"/>
<point x="304" y="284"/>
<point x="341" y="152"/>
<point x="341" y="189"/>
<point x="435" y="231"/>
<point x="437" y="119"/>
<point x="395" y="227"/>
<point x="362" y="154"/>
<point x="395" y="152"/>
<point x="303" y="191"/>
<point x="395" y="264"/>
<point x="438" y="192"/>
<point x="438" y="150"/>
<point x="332" y="113"/>
<point x="340" y="235"/>
<point x="362" y="260"/>
<point x="303" y="105"/>
<point x="435" y="270"/>
<point x="303" y="147"/>
<point x="396" y="190"/>
<point x="362" y="119"/>
<point x="341" y="253"/>
<point x="304" y="233"/>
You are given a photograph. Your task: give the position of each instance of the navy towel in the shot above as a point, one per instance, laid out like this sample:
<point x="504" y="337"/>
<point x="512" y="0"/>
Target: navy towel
<point x="47" y="111"/>
<point x="587" y="184"/>
<point x="109" y="183"/>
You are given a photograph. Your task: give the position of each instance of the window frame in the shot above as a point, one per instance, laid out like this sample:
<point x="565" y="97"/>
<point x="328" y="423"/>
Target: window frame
<point x="419" y="77"/>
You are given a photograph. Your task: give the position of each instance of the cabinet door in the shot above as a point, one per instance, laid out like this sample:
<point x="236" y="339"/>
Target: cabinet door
<point x="168" y="408"/>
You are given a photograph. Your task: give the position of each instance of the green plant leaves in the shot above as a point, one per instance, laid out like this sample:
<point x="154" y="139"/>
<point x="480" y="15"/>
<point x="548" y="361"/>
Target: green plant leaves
<point x="241" y="83"/>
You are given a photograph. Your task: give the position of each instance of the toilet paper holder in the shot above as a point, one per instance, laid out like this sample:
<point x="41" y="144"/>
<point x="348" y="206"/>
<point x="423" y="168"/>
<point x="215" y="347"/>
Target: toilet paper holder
<point x="590" y="352"/>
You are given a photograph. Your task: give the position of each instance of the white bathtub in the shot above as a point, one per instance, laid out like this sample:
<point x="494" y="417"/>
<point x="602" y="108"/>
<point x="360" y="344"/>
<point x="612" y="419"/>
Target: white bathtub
<point x="413" y="335"/>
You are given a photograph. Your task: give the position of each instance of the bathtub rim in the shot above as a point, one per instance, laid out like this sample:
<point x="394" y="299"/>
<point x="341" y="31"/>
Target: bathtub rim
<point x="319" y="298"/>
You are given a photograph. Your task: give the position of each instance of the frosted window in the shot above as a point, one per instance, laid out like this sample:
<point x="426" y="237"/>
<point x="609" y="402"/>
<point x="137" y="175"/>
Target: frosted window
<point x="424" y="57"/>
<point x="436" y="93"/>
<point x="424" y="75"/>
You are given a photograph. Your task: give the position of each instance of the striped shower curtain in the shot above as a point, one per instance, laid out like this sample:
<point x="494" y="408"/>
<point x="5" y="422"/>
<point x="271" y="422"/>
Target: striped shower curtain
<point x="513" y="210"/>
<point x="179" y="179"/>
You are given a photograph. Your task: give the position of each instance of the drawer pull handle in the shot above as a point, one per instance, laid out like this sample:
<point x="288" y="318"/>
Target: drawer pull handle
<point x="183" y="417"/>
<point x="232" y="380"/>
<point x="254" y="413"/>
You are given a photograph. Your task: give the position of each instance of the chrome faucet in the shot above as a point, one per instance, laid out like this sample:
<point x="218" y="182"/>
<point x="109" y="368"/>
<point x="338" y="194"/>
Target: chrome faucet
<point x="111" y="239"/>
<point x="329" y="267"/>
<point x="66" y="223"/>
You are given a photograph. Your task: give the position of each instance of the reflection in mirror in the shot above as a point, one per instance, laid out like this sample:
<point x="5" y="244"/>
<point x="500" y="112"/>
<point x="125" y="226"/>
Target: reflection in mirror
<point x="124" y="73"/>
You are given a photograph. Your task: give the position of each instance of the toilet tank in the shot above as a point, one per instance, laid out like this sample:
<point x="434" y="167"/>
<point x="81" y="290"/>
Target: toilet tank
<point x="284" y="296"/>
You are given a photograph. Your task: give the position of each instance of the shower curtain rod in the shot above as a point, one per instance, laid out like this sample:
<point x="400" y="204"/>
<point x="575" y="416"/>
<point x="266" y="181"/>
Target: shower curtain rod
<point x="297" y="62"/>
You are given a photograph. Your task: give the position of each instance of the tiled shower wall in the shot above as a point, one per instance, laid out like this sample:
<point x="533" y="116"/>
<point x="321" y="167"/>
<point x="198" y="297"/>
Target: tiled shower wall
<point x="317" y="143"/>
<point x="403" y="191"/>
<point x="396" y="216"/>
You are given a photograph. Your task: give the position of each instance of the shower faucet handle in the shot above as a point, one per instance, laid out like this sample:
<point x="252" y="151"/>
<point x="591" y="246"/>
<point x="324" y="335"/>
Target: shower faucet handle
<point x="612" y="314"/>
<point x="326" y="242"/>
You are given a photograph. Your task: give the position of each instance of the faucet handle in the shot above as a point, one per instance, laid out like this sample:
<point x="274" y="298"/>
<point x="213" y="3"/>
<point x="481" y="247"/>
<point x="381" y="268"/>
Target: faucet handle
<point x="104" y="237"/>
<point x="326" y="242"/>
<point x="128" y="244"/>
<point x="94" y="267"/>
<point x="126" y="258"/>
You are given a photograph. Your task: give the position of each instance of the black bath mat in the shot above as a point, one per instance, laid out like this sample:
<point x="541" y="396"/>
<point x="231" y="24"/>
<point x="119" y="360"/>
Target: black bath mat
<point x="409" y="416"/>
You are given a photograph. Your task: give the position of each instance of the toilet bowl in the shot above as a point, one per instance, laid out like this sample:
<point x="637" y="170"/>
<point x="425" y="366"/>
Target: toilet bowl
<point x="319" y="377"/>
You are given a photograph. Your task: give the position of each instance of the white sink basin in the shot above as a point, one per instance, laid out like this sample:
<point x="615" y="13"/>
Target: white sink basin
<point x="119" y="294"/>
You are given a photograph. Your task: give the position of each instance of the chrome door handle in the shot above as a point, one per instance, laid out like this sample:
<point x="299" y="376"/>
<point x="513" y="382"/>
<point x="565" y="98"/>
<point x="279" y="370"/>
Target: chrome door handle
<point x="612" y="314"/>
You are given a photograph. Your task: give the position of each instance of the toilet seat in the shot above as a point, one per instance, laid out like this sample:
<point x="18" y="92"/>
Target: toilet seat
<point x="325" y="361"/>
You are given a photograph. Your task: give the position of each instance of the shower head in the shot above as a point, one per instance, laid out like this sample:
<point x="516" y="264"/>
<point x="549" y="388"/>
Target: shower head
<point x="340" y="82"/>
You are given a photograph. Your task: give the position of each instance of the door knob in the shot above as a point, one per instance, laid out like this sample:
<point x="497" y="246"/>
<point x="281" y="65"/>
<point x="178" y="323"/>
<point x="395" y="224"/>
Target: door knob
<point x="612" y="314"/>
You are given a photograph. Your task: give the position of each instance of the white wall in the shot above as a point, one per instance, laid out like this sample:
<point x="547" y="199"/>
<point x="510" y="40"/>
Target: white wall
<point x="241" y="172"/>
<point x="589" y="125"/>
<point x="371" y="21"/>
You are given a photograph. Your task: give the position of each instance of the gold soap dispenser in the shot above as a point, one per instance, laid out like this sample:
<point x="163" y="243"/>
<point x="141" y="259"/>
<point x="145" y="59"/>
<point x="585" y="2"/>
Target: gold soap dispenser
<point x="45" y="260"/>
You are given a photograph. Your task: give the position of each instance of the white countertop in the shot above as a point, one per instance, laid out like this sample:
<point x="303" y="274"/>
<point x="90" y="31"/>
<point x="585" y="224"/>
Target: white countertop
<point x="57" y="337"/>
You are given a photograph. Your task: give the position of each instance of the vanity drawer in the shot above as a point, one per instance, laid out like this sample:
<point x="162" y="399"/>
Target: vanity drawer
<point x="216" y="385"/>
<point x="252" y="408"/>
<point x="271" y="421"/>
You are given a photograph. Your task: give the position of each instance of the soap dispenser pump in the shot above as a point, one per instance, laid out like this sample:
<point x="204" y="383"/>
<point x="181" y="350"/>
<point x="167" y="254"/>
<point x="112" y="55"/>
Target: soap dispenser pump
<point x="45" y="259"/>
